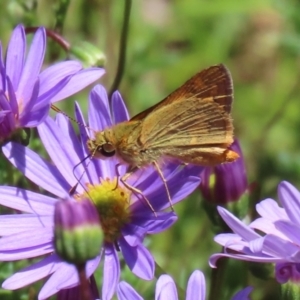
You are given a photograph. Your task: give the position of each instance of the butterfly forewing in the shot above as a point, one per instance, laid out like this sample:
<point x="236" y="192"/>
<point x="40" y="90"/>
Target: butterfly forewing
<point x="212" y="82"/>
<point x="197" y="115"/>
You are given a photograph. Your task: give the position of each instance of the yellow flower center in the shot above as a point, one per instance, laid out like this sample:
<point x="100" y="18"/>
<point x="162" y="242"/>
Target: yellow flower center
<point x="112" y="203"/>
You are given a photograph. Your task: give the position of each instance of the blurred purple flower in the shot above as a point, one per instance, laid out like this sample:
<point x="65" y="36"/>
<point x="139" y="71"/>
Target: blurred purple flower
<point x="166" y="289"/>
<point x="226" y="182"/>
<point x="25" y="93"/>
<point x="125" y="219"/>
<point x="280" y="243"/>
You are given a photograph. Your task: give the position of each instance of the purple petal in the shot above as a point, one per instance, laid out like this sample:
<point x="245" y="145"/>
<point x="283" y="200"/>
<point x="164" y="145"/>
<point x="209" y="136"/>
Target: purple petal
<point x="232" y="241"/>
<point x="155" y="224"/>
<point x="243" y="294"/>
<point x="99" y="111"/>
<point x="196" y="289"/>
<point x="33" y="273"/>
<point x="3" y="115"/>
<point x="51" y="76"/>
<point x="99" y="118"/>
<point x="266" y="226"/>
<point x="78" y="82"/>
<point x="111" y="272"/>
<point x="27" y="252"/>
<point x="133" y="234"/>
<point x="4" y="103"/>
<point x="147" y="178"/>
<point x="47" y="97"/>
<point x="92" y="168"/>
<point x="26" y="201"/>
<point x="180" y="183"/>
<point x="289" y="230"/>
<point x="256" y="246"/>
<point x="33" y="65"/>
<point x="13" y="224"/>
<point x="25" y="239"/>
<point x="61" y="150"/>
<point x="36" y="169"/>
<point x="34" y="118"/>
<point x="165" y="288"/>
<point x="277" y="247"/>
<point x="138" y="259"/>
<point x="64" y="125"/>
<point x="12" y="99"/>
<point x="269" y="209"/>
<point x="15" y="56"/>
<point x="2" y="71"/>
<point x="119" y="110"/>
<point x="127" y="292"/>
<point x="261" y="259"/>
<point x="285" y="272"/>
<point x="82" y="126"/>
<point x="70" y="280"/>
<point x="57" y="280"/>
<point x="84" y="129"/>
<point x="28" y="105"/>
<point x="290" y="198"/>
<point x="179" y="189"/>
<point x="8" y="123"/>
<point x="237" y="226"/>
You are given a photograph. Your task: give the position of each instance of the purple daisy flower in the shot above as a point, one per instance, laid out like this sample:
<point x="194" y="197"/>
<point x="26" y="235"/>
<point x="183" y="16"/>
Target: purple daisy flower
<point x="125" y="218"/>
<point x="25" y="93"/>
<point x="280" y="242"/>
<point x="166" y="289"/>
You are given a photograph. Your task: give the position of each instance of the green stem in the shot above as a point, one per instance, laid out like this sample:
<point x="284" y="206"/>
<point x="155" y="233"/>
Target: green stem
<point x="123" y="46"/>
<point x="60" y="14"/>
<point x="217" y="275"/>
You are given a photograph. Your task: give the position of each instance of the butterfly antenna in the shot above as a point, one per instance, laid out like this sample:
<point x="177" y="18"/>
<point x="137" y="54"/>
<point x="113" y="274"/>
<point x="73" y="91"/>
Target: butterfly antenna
<point x="56" y="109"/>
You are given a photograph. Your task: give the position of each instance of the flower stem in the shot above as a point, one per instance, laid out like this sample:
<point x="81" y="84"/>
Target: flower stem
<point x="123" y="47"/>
<point x="217" y="274"/>
<point x="60" y="15"/>
<point x="85" y="293"/>
<point x="53" y="35"/>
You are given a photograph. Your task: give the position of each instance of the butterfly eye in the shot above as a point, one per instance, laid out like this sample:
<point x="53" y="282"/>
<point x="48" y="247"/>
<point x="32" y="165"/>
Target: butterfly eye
<point x="107" y="150"/>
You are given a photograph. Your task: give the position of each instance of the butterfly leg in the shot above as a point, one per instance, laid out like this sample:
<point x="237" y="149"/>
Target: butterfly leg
<point x="161" y="175"/>
<point x="135" y="190"/>
<point x="118" y="176"/>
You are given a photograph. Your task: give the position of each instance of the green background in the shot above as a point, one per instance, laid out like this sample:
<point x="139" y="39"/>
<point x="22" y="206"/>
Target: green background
<point x="168" y="42"/>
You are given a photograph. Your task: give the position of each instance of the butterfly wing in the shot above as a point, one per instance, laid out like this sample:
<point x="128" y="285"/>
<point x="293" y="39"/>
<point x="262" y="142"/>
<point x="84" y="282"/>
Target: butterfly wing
<point x="193" y="124"/>
<point x="213" y="81"/>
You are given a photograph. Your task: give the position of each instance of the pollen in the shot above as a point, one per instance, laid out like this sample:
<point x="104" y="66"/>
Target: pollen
<point x="112" y="202"/>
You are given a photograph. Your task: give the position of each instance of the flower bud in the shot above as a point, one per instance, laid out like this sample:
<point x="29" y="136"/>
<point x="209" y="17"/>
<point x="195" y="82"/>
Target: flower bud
<point x="226" y="182"/>
<point x="77" y="235"/>
<point x="88" y="54"/>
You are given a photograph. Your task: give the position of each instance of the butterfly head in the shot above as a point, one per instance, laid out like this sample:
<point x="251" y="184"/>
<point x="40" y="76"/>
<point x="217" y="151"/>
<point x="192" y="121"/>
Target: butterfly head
<point x="102" y="146"/>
